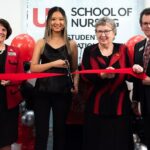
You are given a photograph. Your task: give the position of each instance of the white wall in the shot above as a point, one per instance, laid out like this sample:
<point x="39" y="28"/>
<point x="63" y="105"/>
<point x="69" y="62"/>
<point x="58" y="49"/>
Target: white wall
<point x="11" y="10"/>
<point x="147" y="3"/>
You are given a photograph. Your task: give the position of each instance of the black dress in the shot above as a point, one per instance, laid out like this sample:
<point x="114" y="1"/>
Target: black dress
<point x="52" y="93"/>
<point x="8" y="118"/>
<point x="58" y="84"/>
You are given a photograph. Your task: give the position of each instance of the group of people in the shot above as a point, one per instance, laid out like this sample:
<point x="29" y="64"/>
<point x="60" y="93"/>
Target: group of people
<point x="108" y="108"/>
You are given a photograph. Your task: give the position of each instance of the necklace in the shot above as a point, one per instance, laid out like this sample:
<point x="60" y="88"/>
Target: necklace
<point x="2" y="49"/>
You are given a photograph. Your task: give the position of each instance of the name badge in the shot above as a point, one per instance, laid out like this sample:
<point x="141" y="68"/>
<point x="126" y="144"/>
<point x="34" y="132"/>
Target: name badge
<point x="11" y="53"/>
<point x="141" y="48"/>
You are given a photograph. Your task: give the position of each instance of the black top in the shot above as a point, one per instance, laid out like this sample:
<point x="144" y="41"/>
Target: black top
<point x="58" y="84"/>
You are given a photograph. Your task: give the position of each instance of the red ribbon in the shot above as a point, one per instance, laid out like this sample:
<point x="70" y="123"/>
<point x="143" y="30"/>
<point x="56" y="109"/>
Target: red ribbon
<point x="122" y="70"/>
<point x="26" y="76"/>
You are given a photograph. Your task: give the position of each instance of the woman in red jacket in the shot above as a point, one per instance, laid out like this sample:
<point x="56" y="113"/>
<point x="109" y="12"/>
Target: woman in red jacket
<point x="108" y="123"/>
<point x="10" y="96"/>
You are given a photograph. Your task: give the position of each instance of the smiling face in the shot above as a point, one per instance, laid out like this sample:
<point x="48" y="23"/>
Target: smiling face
<point x="105" y="34"/>
<point x="145" y="25"/>
<point x="3" y="33"/>
<point x="57" y="22"/>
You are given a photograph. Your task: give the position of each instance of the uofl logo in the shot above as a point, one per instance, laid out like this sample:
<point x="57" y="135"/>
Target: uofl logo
<point x="35" y="17"/>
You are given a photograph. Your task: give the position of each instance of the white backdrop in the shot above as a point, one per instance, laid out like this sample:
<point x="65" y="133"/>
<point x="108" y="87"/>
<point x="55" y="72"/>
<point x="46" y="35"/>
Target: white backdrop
<point x="81" y="14"/>
<point x="82" y="17"/>
<point x="11" y="10"/>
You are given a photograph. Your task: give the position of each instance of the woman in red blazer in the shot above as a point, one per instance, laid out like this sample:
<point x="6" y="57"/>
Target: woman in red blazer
<point x="10" y="96"/>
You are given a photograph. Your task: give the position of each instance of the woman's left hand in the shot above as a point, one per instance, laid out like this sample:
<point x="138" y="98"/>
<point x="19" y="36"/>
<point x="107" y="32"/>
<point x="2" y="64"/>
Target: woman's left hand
<point x="107" y="75"/>
<point x="110" y="75"/>
<point x="5" y="82"/>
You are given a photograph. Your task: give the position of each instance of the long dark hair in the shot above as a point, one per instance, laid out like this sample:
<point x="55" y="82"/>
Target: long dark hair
<point x="48" y="28"/>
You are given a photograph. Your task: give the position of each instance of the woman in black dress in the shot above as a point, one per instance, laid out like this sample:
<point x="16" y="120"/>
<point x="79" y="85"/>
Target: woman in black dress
<point x="108" y="107"/>
<point x="57" y="54"/>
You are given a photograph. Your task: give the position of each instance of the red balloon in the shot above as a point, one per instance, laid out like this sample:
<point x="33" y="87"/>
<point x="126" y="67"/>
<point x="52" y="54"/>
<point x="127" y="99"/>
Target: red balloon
<point x="26" y="44"/>
<point x="131" y="43"/>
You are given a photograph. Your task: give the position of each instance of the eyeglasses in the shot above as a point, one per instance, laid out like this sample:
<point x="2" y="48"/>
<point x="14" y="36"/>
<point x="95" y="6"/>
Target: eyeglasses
<point x="146" y="24"/>
<point x="106" y="32"/>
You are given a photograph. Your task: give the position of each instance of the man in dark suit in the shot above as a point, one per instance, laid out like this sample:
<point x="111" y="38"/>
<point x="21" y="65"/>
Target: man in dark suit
<point x="141" y="89"/>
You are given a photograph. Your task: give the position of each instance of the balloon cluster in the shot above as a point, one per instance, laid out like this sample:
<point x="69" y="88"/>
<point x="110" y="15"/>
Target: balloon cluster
<point x="26" y="136"/>
<point x="26" y="44"/>
<point x="133" y="40"/>
<point x="27" y="116"/>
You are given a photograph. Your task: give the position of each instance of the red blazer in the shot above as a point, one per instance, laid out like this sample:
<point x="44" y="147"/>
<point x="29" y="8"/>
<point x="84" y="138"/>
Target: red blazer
<point x="13" y="64"/>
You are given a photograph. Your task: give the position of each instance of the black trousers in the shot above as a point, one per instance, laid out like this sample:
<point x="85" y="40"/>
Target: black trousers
<point x="8" y="126"/>
<point x="74" y="137"/>
<point x="60" y="105"/>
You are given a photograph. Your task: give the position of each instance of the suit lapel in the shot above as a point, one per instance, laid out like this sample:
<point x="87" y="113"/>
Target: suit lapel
<point x="139" y="50"/>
